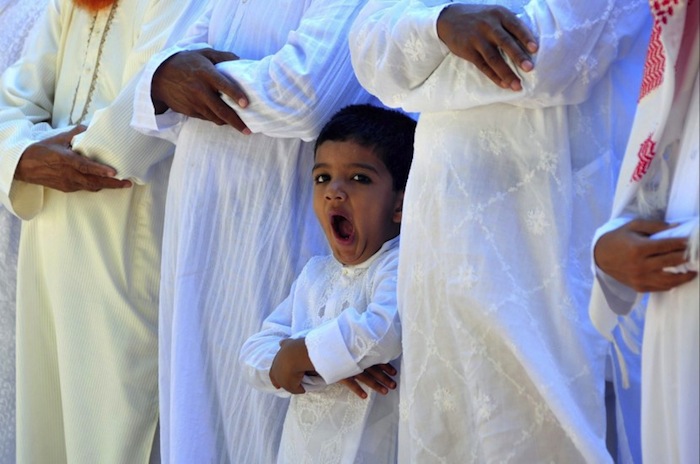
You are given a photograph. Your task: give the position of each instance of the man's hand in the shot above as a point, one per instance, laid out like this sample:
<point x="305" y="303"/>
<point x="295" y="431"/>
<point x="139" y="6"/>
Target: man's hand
<point x="53" y="164"/>
<point x="632" y="258"/>
<point x="290" y="365"/>
<point x="188" y="83"/>
<point x="478" y="33"/>
<point x="376" y="377"/>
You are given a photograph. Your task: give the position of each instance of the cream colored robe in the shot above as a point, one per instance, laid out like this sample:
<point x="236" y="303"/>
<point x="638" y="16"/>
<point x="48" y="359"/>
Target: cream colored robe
<point x="16" y="20"/>
<point x="89" y="262"/>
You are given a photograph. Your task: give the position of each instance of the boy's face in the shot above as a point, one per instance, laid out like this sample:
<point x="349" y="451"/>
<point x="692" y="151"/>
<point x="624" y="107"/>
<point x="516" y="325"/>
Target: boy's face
<point x="354" y="200"/>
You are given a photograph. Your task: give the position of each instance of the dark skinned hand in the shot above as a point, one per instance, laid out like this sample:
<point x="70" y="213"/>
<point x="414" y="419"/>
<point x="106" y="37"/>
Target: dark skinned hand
<point x="377" y="377"/>
<point x="477" y="33"/>
<point x="53" y="164"/>
<point x="188" y="83"/>
<point x="629" y="256"/>
<point x="290" y="365"/>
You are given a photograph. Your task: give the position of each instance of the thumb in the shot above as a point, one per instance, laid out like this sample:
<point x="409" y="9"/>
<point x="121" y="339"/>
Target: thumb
<point x="65" y="138"/>
<point x="218" y="56"/>
<point x="647" y="227"/>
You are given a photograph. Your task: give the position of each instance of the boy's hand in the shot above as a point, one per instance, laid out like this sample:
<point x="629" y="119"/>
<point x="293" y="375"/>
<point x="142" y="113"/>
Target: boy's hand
<point x="375" y="377"/>
<point x="290" y="365"/>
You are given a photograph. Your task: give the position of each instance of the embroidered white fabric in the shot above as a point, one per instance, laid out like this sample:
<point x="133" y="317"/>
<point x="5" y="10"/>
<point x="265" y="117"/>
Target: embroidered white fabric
<point x="339" y="309"/>
<point x="501" y="363"/>
<point x="16" y="19"/>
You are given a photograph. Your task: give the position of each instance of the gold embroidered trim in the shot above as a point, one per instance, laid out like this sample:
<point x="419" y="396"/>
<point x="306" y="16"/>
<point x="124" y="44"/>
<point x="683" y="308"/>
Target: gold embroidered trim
<point x="95" y="72"/>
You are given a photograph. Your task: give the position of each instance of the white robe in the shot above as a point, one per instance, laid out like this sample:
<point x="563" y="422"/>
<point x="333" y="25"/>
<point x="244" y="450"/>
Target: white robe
<point x="350" y="319"/>
<point x="669" y="115"/>
<point x="239" y="224"/>
<point x="500" y="361"/>
<point x="16" y="19"/>
<point x="89" y="262"/>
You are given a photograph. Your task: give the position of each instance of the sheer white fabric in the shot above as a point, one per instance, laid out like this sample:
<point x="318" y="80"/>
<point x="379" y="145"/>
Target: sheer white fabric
<point x="16" y="19"/>
<point x="239" y="223"/>
<point x="88" y="262"/>
<point x="500" y="361"/>
<point x="349" y="317"/>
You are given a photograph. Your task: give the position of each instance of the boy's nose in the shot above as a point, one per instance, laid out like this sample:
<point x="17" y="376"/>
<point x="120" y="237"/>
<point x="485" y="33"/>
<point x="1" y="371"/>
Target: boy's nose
<point x="335" y="191"/>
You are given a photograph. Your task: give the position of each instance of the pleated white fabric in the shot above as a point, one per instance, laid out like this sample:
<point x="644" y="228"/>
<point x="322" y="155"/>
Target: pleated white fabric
<point x="89" y="263"/>
<point x="239" y="223"/>
<point x="501" y="363"/>
<point x="16" y="19"/>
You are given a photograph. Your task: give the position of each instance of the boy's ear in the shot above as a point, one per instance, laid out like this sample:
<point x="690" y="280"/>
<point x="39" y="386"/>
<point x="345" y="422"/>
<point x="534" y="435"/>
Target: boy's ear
<point x="398" y="208"/>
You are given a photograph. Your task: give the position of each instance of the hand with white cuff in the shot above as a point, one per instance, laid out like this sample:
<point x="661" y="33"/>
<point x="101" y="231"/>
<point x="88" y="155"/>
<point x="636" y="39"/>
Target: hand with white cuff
<point x="478" y="33"/>
<point x="629" y="255"/>
<point x="189" y="83"/>
<point x="53" y="164"/>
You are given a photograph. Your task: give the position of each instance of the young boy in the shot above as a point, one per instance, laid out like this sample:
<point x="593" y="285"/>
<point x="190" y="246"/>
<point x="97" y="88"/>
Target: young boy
<point x="340" y="324"/>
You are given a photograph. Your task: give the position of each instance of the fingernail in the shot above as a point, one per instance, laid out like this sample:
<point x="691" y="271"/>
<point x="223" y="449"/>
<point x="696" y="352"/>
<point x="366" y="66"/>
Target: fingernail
<point x="527" y="65"/>
<point x="532" y="47"/>
<point x="242" y="102"/>
<point x="515" y="85"/>
<point x="246" y="131"/>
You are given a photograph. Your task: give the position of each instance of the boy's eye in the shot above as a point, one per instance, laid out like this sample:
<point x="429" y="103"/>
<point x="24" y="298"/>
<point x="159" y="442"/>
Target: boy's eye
<point x="361" y="178"/>
<point x="321" y="178"/>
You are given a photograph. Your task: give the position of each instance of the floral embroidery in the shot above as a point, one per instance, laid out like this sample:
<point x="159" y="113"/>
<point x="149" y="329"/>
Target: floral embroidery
<point x="444" y="400"/>
<point x="415" y="49"/>
<point x="536" y="221"/>
<point x="492" y="141"/>
<point x="467" y="276"/>
<point x="484" y="406"/>
<point x="646" y="155"/>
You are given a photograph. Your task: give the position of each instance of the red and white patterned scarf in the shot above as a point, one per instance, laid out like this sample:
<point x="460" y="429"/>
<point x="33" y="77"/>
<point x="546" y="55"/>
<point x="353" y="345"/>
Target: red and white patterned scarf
<point x="675" y="27"/>
<point x="656" y="126"/>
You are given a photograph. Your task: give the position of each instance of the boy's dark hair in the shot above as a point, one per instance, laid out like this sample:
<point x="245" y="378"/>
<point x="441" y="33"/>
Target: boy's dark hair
<point x="388" y="133"/>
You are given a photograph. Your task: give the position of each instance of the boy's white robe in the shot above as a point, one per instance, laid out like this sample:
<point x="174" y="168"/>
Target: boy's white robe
<point x="350" y="321"/>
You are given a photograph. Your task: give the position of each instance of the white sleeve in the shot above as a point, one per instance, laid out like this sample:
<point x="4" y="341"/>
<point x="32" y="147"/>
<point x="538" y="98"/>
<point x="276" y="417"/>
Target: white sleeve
<point x="26" y="107"/>
<point x="398" y="56"/>
<point x="295" y="91"/>
<point x="258" y="352"/>
<point x="167" y="125"/>
<point x="619" y="297"/>
<point x="356" y="340"/>
<point x="111" y="126"/>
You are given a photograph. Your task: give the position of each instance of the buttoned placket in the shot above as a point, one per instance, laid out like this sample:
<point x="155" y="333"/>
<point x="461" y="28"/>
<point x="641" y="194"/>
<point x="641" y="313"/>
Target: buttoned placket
<point x="88" y="74"/>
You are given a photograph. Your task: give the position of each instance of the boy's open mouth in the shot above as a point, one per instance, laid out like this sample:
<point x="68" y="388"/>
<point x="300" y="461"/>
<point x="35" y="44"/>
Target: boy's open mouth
<point x="342" y="227"/>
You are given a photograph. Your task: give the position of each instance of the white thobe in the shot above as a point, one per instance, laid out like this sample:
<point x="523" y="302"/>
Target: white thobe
<point x="239" y="223"/>
<point x="500" y="361"/>
<point x="670" y="409"/>
<point x="89" y="262"/>
<point x="16" y="19"/>
<point x="349" y="317"/>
